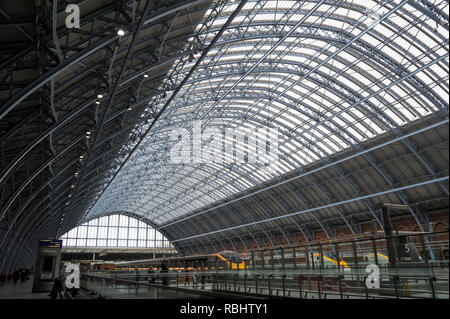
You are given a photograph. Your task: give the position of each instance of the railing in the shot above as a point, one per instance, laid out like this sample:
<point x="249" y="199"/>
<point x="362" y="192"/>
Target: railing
<point x="163" y="286"/>
<point x="326" y="286"/>
<point x="268" y="285"/>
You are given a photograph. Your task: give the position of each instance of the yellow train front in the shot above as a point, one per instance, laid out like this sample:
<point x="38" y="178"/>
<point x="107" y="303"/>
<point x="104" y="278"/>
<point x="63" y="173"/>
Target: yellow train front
<point x="232" y="259"/>
<point x="328" y="260"/>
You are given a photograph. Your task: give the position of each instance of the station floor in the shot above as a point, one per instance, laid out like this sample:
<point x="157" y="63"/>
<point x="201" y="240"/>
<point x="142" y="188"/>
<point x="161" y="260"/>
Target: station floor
<point x="24" y="291"/>
<point x="127" y="291"/>
<point x="20" y="291"/>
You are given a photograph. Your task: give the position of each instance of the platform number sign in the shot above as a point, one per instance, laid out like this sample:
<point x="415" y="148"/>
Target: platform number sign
<point x="373" y="279"/>
<point x="73" y="277"/>
<point x="407" y="248"/>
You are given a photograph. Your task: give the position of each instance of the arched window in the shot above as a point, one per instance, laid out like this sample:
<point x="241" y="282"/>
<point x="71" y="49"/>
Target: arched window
<point x="115" y="231"/>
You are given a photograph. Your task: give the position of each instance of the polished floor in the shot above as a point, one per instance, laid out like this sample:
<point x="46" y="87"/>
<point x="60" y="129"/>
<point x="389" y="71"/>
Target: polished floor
<point x="24" y="291"/>
<point x="20" y="291"/>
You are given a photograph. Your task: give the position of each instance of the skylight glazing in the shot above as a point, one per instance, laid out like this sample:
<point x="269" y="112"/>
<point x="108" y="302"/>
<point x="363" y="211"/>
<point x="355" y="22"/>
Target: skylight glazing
<point x="327" y="76"/>
<point x="115" y="231"/>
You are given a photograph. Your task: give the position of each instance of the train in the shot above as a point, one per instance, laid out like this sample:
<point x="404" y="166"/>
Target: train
<point x="220" y="260"/>
<point x="232" y="259"/>
<point x="407" y="254"/>
<point x="224" y="260"/>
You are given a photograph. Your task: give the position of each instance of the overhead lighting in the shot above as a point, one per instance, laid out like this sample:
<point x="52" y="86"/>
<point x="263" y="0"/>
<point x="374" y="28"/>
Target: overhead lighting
<point x="145" y="75"/>
<point x="129" y="109"/>
<point x="120" y="32"/>
<point x="100" y="96"/>
<point x="97" y="102"/>
<point x="81" y="156"/>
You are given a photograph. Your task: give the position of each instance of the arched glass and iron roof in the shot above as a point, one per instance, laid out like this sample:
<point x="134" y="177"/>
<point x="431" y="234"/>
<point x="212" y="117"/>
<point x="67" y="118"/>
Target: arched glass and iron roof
<point x="356" y="91"/>
<point x="327" y="76"/>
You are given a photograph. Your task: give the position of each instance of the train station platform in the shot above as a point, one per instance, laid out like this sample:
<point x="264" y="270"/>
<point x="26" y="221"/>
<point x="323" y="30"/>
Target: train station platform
<point x="11" y="290"/>
<point x="265" y="284"/>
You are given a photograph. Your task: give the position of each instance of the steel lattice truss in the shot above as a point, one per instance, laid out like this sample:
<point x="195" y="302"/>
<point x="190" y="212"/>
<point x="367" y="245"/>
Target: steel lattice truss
<point x="356" y="89"/>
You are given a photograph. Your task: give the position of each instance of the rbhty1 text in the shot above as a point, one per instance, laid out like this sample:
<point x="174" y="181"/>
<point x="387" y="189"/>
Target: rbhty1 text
<point x="233" y="308"/>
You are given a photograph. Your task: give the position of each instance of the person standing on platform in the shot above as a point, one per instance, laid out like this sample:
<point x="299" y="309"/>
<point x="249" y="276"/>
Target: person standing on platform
<point x="202" y="278"/>
<point x="23" y="275"/>
<point x="16" y="275"/>
<point x="27" y="274"/>
<point x="194" y="278"/>
<point x="186" y="277"/>
<point x="165" y="276"/>
<point x="151" y="273"/>
<point x="57" y="289"/>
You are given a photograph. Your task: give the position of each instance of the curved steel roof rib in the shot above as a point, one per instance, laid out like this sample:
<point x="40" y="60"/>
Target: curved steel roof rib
<point x="356" y="90"/>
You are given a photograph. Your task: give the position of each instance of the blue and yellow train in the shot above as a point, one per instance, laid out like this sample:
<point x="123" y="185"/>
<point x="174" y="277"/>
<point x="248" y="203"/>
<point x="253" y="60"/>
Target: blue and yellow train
<point x="222" y="260"/>
<point x="230" y="260"/>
